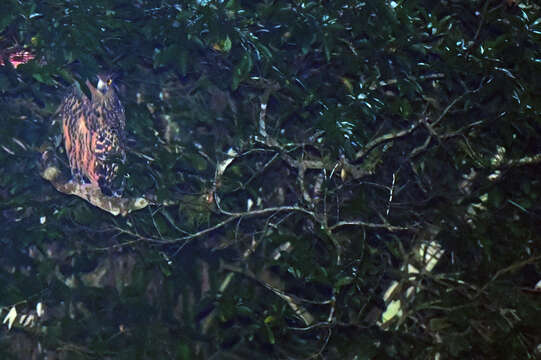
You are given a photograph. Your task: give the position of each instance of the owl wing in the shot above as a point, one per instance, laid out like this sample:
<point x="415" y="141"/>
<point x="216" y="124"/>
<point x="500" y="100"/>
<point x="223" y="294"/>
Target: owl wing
<point x="108" y="123"/>
<point x="109" y="154"/>
<point x="78" y="138"/>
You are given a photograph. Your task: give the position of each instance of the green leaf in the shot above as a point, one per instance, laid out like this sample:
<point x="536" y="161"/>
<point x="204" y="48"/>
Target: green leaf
<point x="343" y="282"/>
<point x="270" y="335"/>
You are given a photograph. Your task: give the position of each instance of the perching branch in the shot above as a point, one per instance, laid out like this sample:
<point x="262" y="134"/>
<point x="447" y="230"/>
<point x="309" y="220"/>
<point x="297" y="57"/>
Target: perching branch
<point x="92" y="194"/>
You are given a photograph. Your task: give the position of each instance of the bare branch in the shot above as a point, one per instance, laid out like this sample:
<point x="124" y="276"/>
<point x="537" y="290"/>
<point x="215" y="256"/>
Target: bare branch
<point x="388" y="227"/>
<point x="92" y="194"/>
<point x="384" y="139"/>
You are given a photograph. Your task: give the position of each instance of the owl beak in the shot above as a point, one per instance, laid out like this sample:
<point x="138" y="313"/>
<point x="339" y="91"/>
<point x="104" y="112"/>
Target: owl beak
<point x="102" y="86"/>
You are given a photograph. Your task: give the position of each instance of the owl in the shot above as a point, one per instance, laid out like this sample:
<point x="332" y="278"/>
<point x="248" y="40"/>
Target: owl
<point x="94" y="134"/>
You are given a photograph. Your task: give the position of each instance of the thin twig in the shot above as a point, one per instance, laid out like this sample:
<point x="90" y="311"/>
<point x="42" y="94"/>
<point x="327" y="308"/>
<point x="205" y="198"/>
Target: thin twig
<point x="388" y="227"/>
<point x="384" y="139"/>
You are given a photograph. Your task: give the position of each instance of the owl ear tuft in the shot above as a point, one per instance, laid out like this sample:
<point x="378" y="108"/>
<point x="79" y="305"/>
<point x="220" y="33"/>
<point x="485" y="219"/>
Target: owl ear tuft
<point x="93" y="91"/>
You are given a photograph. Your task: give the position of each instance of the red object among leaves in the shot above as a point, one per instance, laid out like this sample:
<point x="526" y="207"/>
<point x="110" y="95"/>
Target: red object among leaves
<point x="18" y="58"/>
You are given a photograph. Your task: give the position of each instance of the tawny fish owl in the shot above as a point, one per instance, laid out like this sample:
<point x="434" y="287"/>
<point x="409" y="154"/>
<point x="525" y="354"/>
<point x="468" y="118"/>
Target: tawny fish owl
<point x="94" y="134"/>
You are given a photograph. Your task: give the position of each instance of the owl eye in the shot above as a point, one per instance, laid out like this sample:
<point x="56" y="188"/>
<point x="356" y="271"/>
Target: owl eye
<point x="109" y="81"/>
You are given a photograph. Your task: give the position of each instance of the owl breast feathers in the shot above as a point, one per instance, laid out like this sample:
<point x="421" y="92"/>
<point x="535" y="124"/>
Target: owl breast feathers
<point x="94" y="134"/>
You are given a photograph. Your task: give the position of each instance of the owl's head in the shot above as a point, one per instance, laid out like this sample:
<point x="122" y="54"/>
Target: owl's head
<point x="105" y="82"/>
<point x="105" y="90"/>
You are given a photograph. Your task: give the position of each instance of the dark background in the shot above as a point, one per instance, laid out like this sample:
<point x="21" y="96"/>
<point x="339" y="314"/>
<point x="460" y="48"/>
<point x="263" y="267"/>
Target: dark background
<point x="286" y="251"/>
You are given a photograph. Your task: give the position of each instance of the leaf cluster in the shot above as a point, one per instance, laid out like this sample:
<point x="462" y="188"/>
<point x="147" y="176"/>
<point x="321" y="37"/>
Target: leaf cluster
<point x="296" y="155"/>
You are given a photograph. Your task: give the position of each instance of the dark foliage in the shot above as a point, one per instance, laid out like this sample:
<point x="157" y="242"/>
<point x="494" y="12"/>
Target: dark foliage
<point x="298" y="155"/>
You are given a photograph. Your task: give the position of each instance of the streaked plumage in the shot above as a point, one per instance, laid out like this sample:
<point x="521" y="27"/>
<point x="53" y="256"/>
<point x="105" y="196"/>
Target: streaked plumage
<point x="94" y="133"/>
